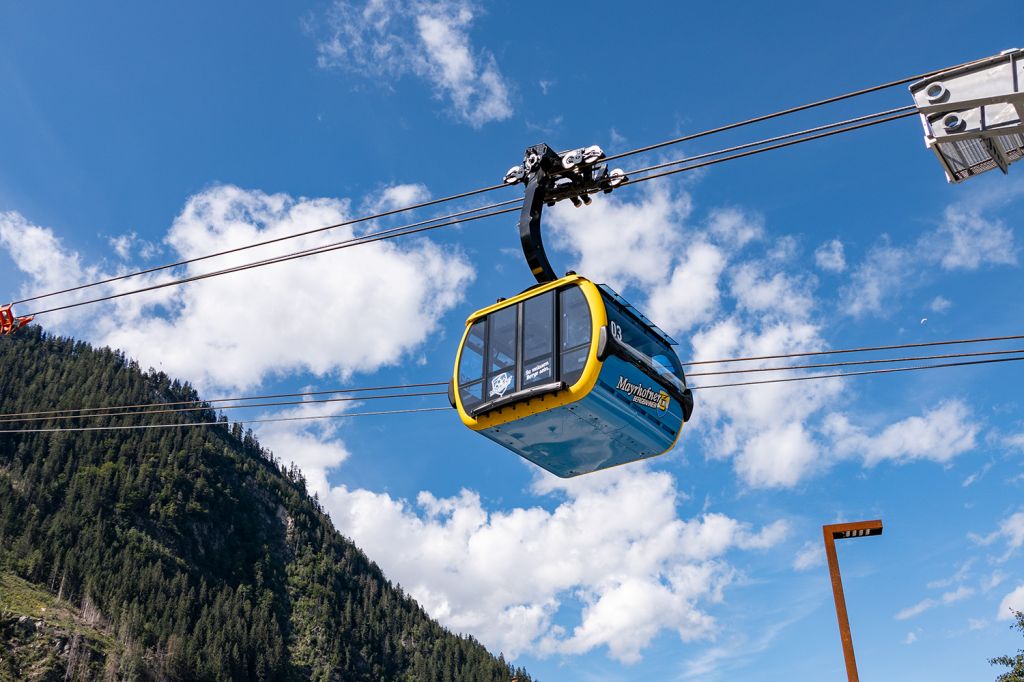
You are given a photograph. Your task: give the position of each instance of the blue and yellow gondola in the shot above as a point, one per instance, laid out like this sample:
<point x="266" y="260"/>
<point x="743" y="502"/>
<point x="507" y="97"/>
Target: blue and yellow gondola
<point x="570" y="376"/>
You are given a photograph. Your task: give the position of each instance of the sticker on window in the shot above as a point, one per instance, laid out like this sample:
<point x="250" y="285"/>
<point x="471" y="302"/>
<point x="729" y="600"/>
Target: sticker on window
<point x="539" y="371"/>
<point x="500" y="384"/>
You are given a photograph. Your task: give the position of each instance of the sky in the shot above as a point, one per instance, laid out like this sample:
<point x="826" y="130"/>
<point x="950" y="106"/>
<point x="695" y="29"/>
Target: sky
<point x="132" y="136"/>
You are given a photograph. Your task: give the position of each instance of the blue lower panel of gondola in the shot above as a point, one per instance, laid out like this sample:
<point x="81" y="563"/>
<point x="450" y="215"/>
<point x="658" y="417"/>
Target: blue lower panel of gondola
<point x="617" y="422"/>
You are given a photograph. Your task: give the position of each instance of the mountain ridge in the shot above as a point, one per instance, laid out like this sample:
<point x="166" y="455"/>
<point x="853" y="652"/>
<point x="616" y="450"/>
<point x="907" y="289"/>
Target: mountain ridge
<point x="202" y="554"/>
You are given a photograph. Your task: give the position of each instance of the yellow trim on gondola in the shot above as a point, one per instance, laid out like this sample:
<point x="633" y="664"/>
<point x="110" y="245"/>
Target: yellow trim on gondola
<point x="586" y="382"/>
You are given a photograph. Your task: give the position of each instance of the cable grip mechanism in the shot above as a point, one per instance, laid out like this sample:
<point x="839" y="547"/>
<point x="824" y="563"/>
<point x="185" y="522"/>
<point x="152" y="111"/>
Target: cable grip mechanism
<point x="549" y="178"/>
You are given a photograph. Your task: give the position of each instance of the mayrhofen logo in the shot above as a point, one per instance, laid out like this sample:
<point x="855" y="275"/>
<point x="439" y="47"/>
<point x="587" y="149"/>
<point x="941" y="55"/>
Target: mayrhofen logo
<point x="642" y="395"/>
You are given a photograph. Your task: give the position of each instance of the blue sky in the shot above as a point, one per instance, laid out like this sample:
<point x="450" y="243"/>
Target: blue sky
<point x="131" y="136"/>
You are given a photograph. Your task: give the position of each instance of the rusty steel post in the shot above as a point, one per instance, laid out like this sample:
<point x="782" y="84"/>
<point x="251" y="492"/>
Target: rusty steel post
<point x="831" y="533"/>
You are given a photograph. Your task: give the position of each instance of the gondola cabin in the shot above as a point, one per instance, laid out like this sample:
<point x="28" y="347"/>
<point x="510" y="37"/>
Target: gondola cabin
<point x="9" y="322"/>
<point x="570" y="376"/>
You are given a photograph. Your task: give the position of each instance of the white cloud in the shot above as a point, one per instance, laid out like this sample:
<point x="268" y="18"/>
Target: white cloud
<point x="830" y="256"/>
<point x="993" y="581"/>
<point x="811" y="555"/>
<point x="917" y="609"/>
<point x="910" y="638"/>
<point x="615" y="544"/>
<point x="956" y="578"/>
<point x="1014" y="601"/>
<point x="778" y="457"/>
<point x="37" y="251"/>
<point x="774" y="295"/>
<point x="966" y="240"/>
<point x="122" y="244"/>
<point x="947" y="598"/>
<point x="624" y="242"/>
<point x="736" y="228"/>
<point x="386" y="39"/>
<point x="939" y="435"/>
<point x="395" y="197"/>
<point x="334" y="314"/>
<point x="126" y="244"/>
<point x="690" y="296"/>
<point x="940" y="304"/>
<point x="876" y="282"/>
<point x="1011" y="531"/>
<point x="764" y="428"/>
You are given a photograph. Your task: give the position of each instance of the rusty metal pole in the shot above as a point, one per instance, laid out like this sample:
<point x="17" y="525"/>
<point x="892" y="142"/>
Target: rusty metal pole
<point x="831" y="533"/>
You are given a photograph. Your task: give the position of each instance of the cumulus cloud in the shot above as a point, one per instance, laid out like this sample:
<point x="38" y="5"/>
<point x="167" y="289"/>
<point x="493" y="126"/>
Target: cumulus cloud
<point x="1010" y="531"/>
<point x="387" y="39"/>
<point x="966" y="240"/>
<point x="766" y="429"/>
<point x="951" y="597"/>
<point x="1014" y="601"/>
<point x="690" y="296"/>
<point x="940" y="304"/>
<point x="617" y="545"/>
<point x="877" y="281"/>
<point x="735" y="227"/>
<point x="334" y="314"/>
<point x="39" y="252"/>
<point x="626" y="242"/>
<point x="939" y="435"/>
<point x="395" y="197"/>
<point x="811" y="555"/>
<point x="830" y="256"/>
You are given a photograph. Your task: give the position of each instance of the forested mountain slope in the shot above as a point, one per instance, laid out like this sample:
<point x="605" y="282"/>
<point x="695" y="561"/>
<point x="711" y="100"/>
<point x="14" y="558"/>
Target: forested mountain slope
<point x="187" y="553"/>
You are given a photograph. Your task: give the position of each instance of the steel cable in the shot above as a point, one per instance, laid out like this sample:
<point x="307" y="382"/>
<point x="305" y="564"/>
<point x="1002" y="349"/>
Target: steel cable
<point x="462" y="195"/>
<point x="890" y="370"/>
<point x="178" y="410"/>
<point x="245" y="247"/>
<point x="200" y="403"/>
<point x="752" y="152"/>
<point x="786" y="112"/>
<point x="849" y="363"/>
<point x="383" y="235"/>
<point x="130" y="427"/>
<point x="812" y="377"/>
<point x="900" y="346"/>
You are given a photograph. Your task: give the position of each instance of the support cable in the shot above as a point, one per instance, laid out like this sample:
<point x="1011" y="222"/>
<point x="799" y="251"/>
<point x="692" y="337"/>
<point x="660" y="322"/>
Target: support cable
<point x="348" y="243"/>
<point x="785" y="112"/>
<point x="422" y="226"/>
<point x="901" y="346"/>
<point x="835" y="375"/>
<point x="177" y="410"/>
<point x="354" y="221"/>
<point x="783" y="368"/>
<point x="909" y="109"/>
<point x="813" y="377"/>
<point x="227" y="424"/>
<point x="462" y="195"/>
<point x="752" y="152"/>
<point x="201" y="403"/>
<point x="208" y="404"/>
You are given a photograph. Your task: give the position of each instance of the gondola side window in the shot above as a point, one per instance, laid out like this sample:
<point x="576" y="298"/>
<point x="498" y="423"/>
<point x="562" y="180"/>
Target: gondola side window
<point x="575" y="332"/>
<point x="501" y="353"/>
<point x="471" y="366"/>
<point x="538" y="340"/>
<point x="642" y="339"/>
